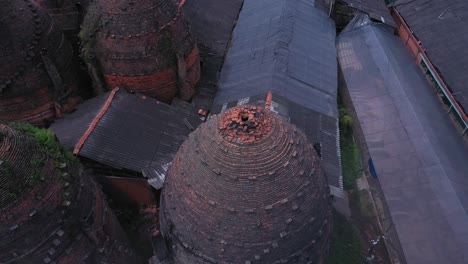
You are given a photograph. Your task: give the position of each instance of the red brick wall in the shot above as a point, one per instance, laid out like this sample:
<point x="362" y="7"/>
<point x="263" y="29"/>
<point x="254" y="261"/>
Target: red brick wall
<point x="162" y="85"/>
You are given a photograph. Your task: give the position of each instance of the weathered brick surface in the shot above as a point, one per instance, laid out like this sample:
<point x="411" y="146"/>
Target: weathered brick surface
<point x="246" y="187"/>
<point x="38" y="77"/>
<point x="52" y="213"/>
<point x="65" y="13"/>
<point x="139" y="45"/>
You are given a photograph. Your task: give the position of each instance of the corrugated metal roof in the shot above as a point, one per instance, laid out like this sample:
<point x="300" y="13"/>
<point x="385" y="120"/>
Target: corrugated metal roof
<point x="156" y="175"/>
<point x="72" y="127"/>
<point x="376" y="9"/>
<point x="441" y="27"/>
<point x="418" y="155"/>
<point x="284" y="46"/>
<point x="135" y="132"/>
<point x="212" y="21"/>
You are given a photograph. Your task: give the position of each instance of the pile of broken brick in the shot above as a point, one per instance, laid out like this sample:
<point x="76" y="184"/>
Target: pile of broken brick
<point x="245" y="125"/>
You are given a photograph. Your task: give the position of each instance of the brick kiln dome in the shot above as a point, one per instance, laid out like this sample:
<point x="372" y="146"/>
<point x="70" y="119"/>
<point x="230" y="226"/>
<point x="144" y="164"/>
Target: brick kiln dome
<point x="145" y="46"/>
<point x="50" y="210"/>
<point x="65" y="13"/>
<point x="246" y="187"/>
<point x="38" y="78"/>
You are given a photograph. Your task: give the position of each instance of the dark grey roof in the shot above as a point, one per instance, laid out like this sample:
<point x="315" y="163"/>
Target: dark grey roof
<point x="135" y="132"/>
<point x="288" y="47"/>
<point x="284" y="46"/>
<point x="318" y="128"/>
<point x="71" y="128"/>
<point x="376" y="9"/>
<point x="419" y="156"/>
<point x="156" y="174"/>
<point x="441" y="27"/>
<point x="212" y="22"/>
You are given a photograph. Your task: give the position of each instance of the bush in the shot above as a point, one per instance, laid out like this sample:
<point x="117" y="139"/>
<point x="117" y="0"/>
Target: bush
<point x="345" y="119"/>
<point x="46" y="141"/>
<point x="350" y="158"/>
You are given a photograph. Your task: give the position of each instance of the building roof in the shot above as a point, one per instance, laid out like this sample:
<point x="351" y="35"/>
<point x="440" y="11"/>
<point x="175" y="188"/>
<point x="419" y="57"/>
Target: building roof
<point x="440" y="26"/>
<point x="376" y="9"/>
<point x="286" y="47"/>
<point x="212" y="22"/>
<point x="50" y="207"/>
<point x="246" y="187"/>
<point x="127" y="131"/>
<point x="418" y="155"/>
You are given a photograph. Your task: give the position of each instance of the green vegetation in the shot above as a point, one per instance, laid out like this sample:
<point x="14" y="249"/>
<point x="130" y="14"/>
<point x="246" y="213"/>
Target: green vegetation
<point x="46" y="141"/>
<point x="88" y="31"/>
<point x="345" y="246"/>
<point x="345" y="120"/>
<point x="350" y="237"/>
<point x="350" y="161"/>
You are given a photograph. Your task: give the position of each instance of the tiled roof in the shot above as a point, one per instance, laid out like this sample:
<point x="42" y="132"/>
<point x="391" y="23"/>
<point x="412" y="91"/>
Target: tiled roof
<point x="441" y="27"/>
<point x="135" y="132"/>
<point x="246" y="187"/>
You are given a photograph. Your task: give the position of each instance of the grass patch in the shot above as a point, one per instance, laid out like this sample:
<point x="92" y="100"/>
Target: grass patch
<point x="345" y="246"/>
<point x="46" y="141"/>
<point x="47" y="148"/>
<point x="350" y="161"/>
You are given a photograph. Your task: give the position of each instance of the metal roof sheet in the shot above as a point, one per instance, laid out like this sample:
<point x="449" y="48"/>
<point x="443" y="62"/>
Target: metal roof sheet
<point x="135" y="132"/>
<point x="283" y="46"/>
<point x="376" y="9"/>
<point x="156" y="175"/>
<point x="418" y="155"/>
<point x="441" y="27"/>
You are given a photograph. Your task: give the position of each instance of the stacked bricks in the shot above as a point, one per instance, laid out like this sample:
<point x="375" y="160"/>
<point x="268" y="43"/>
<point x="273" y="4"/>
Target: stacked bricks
<point x="246" y="192"/>
<point x="146" y="46"/>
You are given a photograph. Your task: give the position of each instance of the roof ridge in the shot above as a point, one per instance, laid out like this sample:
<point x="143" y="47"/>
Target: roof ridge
<point x="95" y="121"/>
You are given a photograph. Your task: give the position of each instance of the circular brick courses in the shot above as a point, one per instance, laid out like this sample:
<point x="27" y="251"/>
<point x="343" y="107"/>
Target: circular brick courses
<point x="146" y="46"/>
<point x="27" y="91"/>
<point x="246" y="187"/>
<point x="53" y="212"/>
